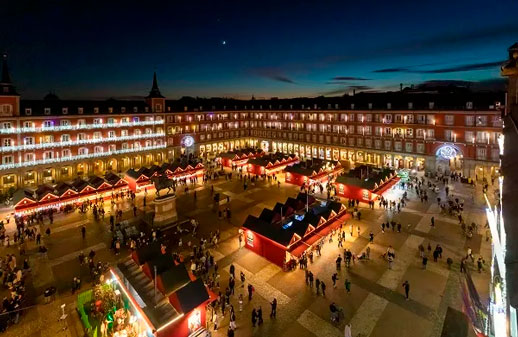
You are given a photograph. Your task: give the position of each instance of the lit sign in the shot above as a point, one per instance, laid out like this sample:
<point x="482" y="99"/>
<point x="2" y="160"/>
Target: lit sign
<point x="187" y="141"/>
<point x="250" y="238"/>
<point x="365" y="194"/>
<point x="287" y="225"/>
<point x="299" y="217"/>
<point x="194" y="321"/>
<point x="447" y="152"/>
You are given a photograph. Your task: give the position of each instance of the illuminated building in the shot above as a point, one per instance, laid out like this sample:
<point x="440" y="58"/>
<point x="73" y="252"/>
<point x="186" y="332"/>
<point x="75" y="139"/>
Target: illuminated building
<point x="52" y="140"/>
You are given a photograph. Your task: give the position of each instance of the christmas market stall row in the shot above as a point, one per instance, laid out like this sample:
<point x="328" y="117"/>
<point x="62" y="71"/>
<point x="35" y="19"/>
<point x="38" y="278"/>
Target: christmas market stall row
<point x="312" y="171"/>
<point x="287" y="231"/>
<point x="179" y="169"/>
<point x="148" y="294"/>
<point x="271" y="164"/>
<point x="58" y="196"/>
<point x="365" y="183"/>
<point x="238" y="158"/>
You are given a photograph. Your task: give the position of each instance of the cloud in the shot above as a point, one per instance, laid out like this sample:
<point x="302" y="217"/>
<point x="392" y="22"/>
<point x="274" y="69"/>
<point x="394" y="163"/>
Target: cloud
<point x="281" y="78"/>
<point x="454" y="69"/>
<point x="349" y="78"/>
<point x="272" y="74"/>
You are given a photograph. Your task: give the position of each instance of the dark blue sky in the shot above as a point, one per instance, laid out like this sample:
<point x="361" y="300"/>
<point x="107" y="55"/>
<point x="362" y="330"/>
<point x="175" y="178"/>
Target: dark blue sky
<point x="273" y="48"/>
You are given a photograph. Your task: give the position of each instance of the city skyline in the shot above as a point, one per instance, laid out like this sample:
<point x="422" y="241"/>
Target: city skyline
<point x="239" y="50"/>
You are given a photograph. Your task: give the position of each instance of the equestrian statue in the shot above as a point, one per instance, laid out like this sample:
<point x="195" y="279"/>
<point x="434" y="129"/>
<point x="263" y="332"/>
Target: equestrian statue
<point x="162" y="182"/>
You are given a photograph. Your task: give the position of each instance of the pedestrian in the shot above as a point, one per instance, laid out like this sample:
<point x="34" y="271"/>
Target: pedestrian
<point x="425" y="261"/>
<point x="83" y="231"/>
<point x="371" y="237"/>
<point x="273" y="313"/>
<point x="317" y="285"/>
<point x="368" y="252"/>
<point x="358" y="231"/>
<point x="232" y="270"/>
<point x="347" y="331"/>
<point x="259" y="316"/>
<point x="463" y="265"/>
<point x="334" y="277"/>
<point x="47" y="231"/>
<point x="323" y="286"/>
<point x="406" y="286"/>
<point x="215" y="320"/>
<point x="250" y="291"/>
<point x="254" y="317"/>
<point x="230" y="331"/>
<point x="432" y="221"/>
<point x="480" y="262"/>
<point x="348" y="285"/>
<point x="240" y="302"/>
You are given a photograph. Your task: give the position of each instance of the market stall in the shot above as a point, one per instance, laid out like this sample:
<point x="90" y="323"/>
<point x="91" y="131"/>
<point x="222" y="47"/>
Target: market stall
<point x="312" y="172"/>
<point x="239" y="158"/>
<point x="365" y="183"/>
<point x="271" y="164"/>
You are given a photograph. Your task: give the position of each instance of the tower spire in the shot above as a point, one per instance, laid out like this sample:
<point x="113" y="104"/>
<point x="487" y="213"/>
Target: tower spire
<point x="155" y="92"/>
<point x="6" y="84"/>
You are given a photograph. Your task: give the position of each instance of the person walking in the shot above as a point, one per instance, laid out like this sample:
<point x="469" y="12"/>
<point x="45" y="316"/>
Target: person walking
<point x="233" y="271"/>
<point x="317" y="284"/>
<point x="323" y="286"/>
<point x="273" y="313"/>
<point x="334" y="277"/>
<point x="406" y="286"/>
<point x="463" y="265"/>
<point x="254" y="317"/>
<point x="250" y="291"/>
<point x="432" y="221"/>
<point x="347" y="331"/>
<point x="259" y="316"/>
<point x="425" y="261"/>
<point x="371" y="237"/>
<point x="83" y="231"/>
<point x="348" y="286"/>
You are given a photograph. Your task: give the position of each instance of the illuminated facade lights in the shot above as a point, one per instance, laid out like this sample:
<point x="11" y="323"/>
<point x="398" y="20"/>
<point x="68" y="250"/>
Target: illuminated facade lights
<point x="79" y="127"/>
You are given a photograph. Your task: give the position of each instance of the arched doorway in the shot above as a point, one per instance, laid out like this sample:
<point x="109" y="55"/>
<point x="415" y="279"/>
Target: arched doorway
<point x="448" y="158"/>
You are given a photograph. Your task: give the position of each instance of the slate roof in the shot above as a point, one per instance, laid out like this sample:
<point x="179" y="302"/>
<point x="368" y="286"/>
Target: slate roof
<point x="359" y="177"/>
<point x="192" y="295"/>
<point x="174" y="278"/>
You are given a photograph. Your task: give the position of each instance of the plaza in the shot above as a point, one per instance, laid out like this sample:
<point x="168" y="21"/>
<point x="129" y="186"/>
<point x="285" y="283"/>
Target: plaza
<point x="376" y="305"/>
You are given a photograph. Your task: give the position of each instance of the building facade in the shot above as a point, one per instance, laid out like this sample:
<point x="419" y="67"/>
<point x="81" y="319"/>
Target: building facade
<point x="45" y="141"/>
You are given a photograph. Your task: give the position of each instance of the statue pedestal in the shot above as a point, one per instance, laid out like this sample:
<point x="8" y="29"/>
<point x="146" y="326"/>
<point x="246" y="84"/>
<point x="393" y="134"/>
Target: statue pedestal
<point x="165" y="210"/>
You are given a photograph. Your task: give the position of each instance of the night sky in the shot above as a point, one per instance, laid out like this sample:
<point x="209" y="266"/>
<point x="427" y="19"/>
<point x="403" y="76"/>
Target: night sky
<point x="244" y="48"/>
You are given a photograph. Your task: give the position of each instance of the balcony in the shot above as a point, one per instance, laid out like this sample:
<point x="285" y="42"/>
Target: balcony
<point x="79" y="127"/>
<point x="78" y="142"/>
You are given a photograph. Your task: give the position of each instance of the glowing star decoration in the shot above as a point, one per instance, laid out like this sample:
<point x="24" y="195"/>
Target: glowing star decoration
<point x="187" y="141"/>
<point x="223" y="42"/>
<point x="447" y="152"/>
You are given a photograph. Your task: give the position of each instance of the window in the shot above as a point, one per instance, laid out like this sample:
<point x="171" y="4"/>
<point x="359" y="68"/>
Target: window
<point x="48" y="155"/>
<point x="65" y="122"/>
<point x="470" y="120"/>
<point x="7" y="160"/>
<point x="137" y="132"/>
<point x="419" y="133"/>
<point x="351" y="117"/>
<point x="420" y="147"/>
<point x="399" y="118"/>
<point x="66" y="153"/>
<point x="112" y="148"/>
<point x="123" y="109"/>
<point x="481" y="153"/>
<point x="150" y="131"/>
<point x="125" y="146"/>
<point x="29" y="157"/>
<point x="80" y="110"/>
<point x="135" y="109"/>
<point x="81" y="122"/>
<point x="28" y="125"/>
<point x="430" y="119"/>
<point x="377" y="143"/>
<point x="430" y="133"/>
<point x="97" y="135"/>
<point x="469" y="136"/>
<point x="449" y="119"/>
<point x="409" y="147"/>
<point x="136" y="119"/>
<point x="409" y="133"/>
<point x="368" y="118"/>
<point x="111" y="134"/>
<point x="98" y="149"/>
<point x="6" y="125"/>
<point x="124" y="120"/>
<point x="387" y="118"/>
<point x="7" y="142"/>
<point x="481" y="120"/>
<point x="64" y="111"/>
<point x="28" y="141"/>
<point x="47" y="111"/>
<point x="96" y="110"/>
<point x="398" y="146"/>
<point x="387" y="132"/>
<point x="410" y="119"/>
<point x="111" y="120"/>
<point x="388" y="144"/>
<point x="46" y="139"/>
<point x="65" y="138"/>
<point x="48" y="124"/>
<point x="421" y="119"/>
<point x="448" y="135"/>
<point x="158" y="107"/>
<point x="81" y="136"/>
<point x="110" y="109"/>
<point x="28" y="111"/>
<point x="83" y="150"/>
<point x="98" y="121"/>
<point x="124" y="133"/>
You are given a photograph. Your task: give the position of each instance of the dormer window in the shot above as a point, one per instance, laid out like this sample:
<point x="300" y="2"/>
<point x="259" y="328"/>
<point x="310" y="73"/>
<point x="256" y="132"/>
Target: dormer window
<point x="110" y="110"/>
<point x="469" y="105"/>
<point x="135" y="109"/>
<point x="64" y="111"/>
<point x="431" y="105"/>
<point x="410" y="105"/>
<point x="123" y="109"/>
<point x="389" y="106"/>
<point x="146" y="109"/>
<point x="47" y="111"/>
<point x="370" y="106"/>
<point x="28" y="111"/>
<point x="96" y="110"/>
<point x="80" y="110"/>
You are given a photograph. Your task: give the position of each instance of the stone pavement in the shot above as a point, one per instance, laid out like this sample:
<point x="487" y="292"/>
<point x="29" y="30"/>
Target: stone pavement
<point x="375" y="306"/>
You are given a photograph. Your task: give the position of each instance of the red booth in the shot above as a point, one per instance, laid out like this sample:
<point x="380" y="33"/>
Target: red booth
<point x="239" y="158"/>
<point x="365" y="183"/>
<point x="271" y="164"/>
<point x="312" y="171"/>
